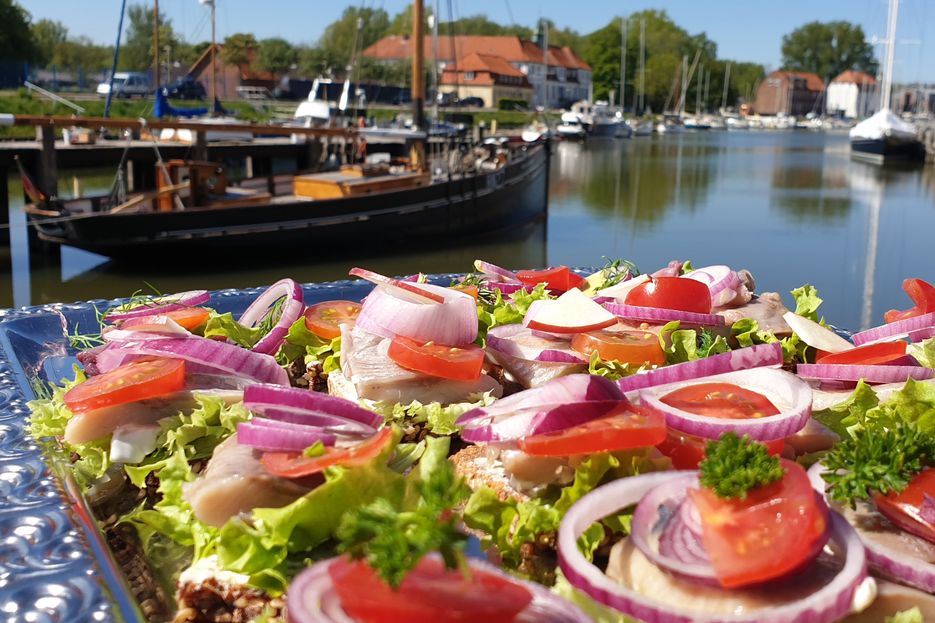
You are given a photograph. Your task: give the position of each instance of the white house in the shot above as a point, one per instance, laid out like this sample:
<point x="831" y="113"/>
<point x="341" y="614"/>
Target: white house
<point x="853" y="94"/>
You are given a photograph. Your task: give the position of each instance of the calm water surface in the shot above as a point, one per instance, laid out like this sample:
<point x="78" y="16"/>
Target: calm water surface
<point x="789" y="206"/>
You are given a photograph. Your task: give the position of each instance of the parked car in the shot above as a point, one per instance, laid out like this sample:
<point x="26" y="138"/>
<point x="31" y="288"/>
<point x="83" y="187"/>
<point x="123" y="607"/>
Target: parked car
<point x="472" y="102"/>
<point x="126" y="84"/>
<point x="186" y="88"/>
<point x="446" y="99"/>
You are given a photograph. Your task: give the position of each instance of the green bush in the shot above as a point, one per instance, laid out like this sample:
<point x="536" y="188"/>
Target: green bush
<point x="506" y="103"/>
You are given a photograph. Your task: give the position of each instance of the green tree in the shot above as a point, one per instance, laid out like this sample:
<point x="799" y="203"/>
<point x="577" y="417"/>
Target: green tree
<point x="188" y="53"/>
<point x="238" y="49"/>
<point x="276" y="55"/>
<point x="48" y="34"/>
<point x="336" y="44"/>
<point x="136" y="52"/>
<point x="827" y="49"/>
<point x="601" y="50"/>
<point x="16" y="38"/>
<point x="82" y="54"/>
<point x="661" y="70"/>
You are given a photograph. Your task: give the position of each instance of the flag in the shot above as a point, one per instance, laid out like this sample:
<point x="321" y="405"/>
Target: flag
<point x="29" y="187"/>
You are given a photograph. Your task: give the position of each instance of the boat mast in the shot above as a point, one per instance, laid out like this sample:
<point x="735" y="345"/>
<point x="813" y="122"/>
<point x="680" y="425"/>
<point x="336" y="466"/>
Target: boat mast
<point x="642" y="64"/>
<point x="890" y="54"/>
<point x="214" y="57"/>
<point x="435" y="80"/>
<point x="156" y="43"/>
<point x="726" y="84"/>
<point x="417" y="149"/>
<point x="698" y="94"/>
<point x="623" y="61"/>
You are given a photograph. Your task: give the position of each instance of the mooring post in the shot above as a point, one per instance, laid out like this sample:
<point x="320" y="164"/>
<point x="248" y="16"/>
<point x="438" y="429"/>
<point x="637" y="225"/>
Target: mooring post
<point x="200" y="147"/>
<point x="4" y="206"/>
<point x="48" y="161"/>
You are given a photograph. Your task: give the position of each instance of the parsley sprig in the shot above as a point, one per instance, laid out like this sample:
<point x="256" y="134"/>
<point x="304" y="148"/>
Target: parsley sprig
<point x="877" y="459"/>
<point x="392" y="541"/>
<point x="735" y="465"/>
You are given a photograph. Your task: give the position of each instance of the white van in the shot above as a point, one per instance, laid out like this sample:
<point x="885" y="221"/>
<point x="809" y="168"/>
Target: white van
<point x="126" y="84"/>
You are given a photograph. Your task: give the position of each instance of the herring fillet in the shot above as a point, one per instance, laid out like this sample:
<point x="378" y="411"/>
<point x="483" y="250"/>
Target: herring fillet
<point x="767" y="309"/>
<point x="235" y="482"/>
<point x="365" y="362"/>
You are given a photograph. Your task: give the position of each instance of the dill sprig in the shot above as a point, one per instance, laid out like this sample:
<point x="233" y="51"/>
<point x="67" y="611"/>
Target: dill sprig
<point x="392" y="541"/>
<point x="735" y="465"/>
<point x="877" y="459"/>
<point x="616" y="271"/>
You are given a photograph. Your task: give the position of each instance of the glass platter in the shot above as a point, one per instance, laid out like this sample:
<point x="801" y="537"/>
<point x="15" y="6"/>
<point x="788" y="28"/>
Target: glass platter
<point x="54" y="562"/>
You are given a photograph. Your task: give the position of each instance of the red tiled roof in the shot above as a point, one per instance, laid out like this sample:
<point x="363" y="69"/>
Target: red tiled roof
<point x="487" y="68"/>
<point x="511" y="48"/>
<point x="812" y="81"/>
<point x="854" y="76"/>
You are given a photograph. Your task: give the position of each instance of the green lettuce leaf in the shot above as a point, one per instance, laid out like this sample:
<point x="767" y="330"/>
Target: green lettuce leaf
<point x="300" y="342"/>
<point x="845" y="414"/>
<point x="437" y="418"/>
<point x="913" y="615"/>
<point x="924" y="352"/>
<point x="681" y="345"/>
<point x="224" y="325"/>
<point x="611" y="368"/>
<point x="511" y="310"/>
<point x="807" y="301"/>
<point x="914" y="404"/>
<point x="747" y="333"/>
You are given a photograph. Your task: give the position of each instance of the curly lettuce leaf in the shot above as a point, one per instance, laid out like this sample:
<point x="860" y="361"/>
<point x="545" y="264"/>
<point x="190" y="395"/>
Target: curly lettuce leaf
<point x="747" y="333"/>
<point x="913" y="404"/>
<point x="224" y="325"/>
<point x="611" y="368"/>
<point x="807" y="301"/>
<point x="300" y="342"/>
<point x="924" y="352"/>
<point x="511" y="310"/>
<point x="681" y="345"/>
<point x="437" y="418"/>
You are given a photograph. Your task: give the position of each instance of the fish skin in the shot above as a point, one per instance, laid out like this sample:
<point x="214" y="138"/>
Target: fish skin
<point x="235" y="482"/>
<point x="99" y="423"/>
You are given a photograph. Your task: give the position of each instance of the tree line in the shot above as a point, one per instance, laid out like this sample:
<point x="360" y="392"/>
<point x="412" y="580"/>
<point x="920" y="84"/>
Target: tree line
<point x="823" y="48"/>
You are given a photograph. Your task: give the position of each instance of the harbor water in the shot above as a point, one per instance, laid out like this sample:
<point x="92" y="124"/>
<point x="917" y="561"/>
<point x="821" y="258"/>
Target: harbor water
<point x="789" y="206"/>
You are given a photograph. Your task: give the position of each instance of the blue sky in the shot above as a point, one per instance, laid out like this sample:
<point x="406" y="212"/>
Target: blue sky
<point x="743" y="30"/>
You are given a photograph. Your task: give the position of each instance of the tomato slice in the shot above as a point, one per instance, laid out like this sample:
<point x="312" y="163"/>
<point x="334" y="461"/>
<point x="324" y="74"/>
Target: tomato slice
<point x="905" y="509"/>
<point x="634" y="347"/>
<point x="189" y="318"/>
<point x="872" y="354"/>
<point x="720" y="400"/>
<point x="676" y="293"/>
<point x="471" y="291"/>
<point x="428" y="594"/>
<point x="777" y="529"/>
<point x="324" y="319"/>
<point x="628" y="427"/>
<point x="297" y="465"/>
<point x="458" y="363"/>
<point x="132" y="382"/>
<point x="559" y="279"/>
<point x="922" y="294"/>
<point x="687" y="451"/>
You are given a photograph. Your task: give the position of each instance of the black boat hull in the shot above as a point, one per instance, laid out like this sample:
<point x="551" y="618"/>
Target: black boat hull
<point x="515" y="194"/>
<point x="887" y="150"/>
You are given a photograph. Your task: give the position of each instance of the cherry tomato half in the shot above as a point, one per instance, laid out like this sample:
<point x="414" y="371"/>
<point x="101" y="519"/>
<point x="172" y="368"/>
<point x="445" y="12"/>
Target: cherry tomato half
<point x="905" y="509"/>
<point x="872" y="354"/>
<point x="297" y="465"/>
<point x="428" y="594"/>
<point x="324" y="319"/>
<point x="458" y="363"/>
<point x="720" y="400"/>
<point x="677" y="293"/>
<point x="627" y="428"/>
<point x="922" y="294"/>
<point x="634" y="347"/>
<point x="134" y="381"/>
<point x="559" y="279"/>
<point x="687" y="451"/>
<point x="775" y="530"/>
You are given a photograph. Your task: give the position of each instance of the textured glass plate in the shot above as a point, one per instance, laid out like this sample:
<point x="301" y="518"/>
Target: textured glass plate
<point x="54" y="563"/>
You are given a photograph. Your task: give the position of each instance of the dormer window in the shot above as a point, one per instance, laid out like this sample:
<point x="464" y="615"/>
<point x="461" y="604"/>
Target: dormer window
<point x="469" y="75"/>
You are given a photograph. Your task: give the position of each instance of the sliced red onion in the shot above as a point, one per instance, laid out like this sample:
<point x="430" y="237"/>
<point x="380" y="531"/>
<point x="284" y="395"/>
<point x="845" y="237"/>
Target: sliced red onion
<point x="723" y="283"/>
<point x="271" y="436"/>
<point x="492" y="269"/>
<point x="661" y="316"/>
<point x="509" y="288"/>
<point x="301" y="406"/>
<point x="517" y="341"/>
<point x="292" y="309"/>
<point x="790" y="394"/>
<point x="927" y="509"/>
<point x="828" y="603"/>
<point x="760" y="355"/>
<point x="144" y="328"/>
<point x="453" y="323"/>
<point x="680" y="549"/>
<point x="894" y="329"/>
<point x="161" y="304"/>
<point x="210" y="356"/>
<point x="312" y="598"/>
<point x="921" y="334"/>
<point x="868" y="373"/>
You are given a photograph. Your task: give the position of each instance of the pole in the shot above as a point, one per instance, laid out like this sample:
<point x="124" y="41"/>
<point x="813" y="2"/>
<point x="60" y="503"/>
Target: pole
<point x="698" y="93"/>
<point x="887" y="91"/>
<point x="726" y="85"/>
<point x="214" y="60"/>
<point x="623" y="61"/>
<point x="418" y="63"/>
<point x="156" y="71"/>
<point x="435" y="77"/>
<point x="113" y="67"/>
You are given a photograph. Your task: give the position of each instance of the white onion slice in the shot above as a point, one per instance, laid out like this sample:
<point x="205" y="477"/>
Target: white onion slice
<point x="816" y="335"/>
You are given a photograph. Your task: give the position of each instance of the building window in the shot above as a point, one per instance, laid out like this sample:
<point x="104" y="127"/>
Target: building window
<point x="469" y="75"/>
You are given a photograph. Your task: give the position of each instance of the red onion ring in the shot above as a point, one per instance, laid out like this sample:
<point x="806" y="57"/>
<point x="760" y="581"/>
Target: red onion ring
<point x="894" y="329"/>
<point x="733" y="361"/>
<point x="517" y="341"/>
<point x="452" y="323"/>
<point x="301" y="406"/>
<point x="291" y="311"/>
<point x="869" y="373"/>
<point x="161" y="304"/>
<point x="509" y="288"/>
<point x="791" y="395"/>
<point x="271" y="436"/>
<point x="827" y="604"/>
<point x="661" y="316"/>
<point x="312" y="598"/>
<point x="723" y="283"/>
<point x="496" y="271"/>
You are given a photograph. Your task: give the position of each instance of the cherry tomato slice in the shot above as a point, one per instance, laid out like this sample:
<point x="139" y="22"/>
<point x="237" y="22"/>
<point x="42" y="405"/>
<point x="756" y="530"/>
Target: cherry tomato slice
<point x="428" y="594"/>
<point x="922" y="294"/>
<point x="559" y="279"/>
<point x="634" y="347"/>
<point x="687" y="451"/>
<point x="324" y="319"/>
<point x="297" y="465"/>
<point x="629" y="427"/>
<point x="776" y="529"/>
<point x="872" y="354"/>
<point x="471" y="291"/>
<point x="458" y="363"/>
<point x="720" y="400"/>
<point x="189" y="318"/>
<point x="676" y="293"/>
<point x="905" y="509"/>
<point x="132" y="382"/>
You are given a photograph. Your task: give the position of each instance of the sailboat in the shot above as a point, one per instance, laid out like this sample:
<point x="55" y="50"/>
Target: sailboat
<point x="196" y="210"/>
<point x="884" y="138"/>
